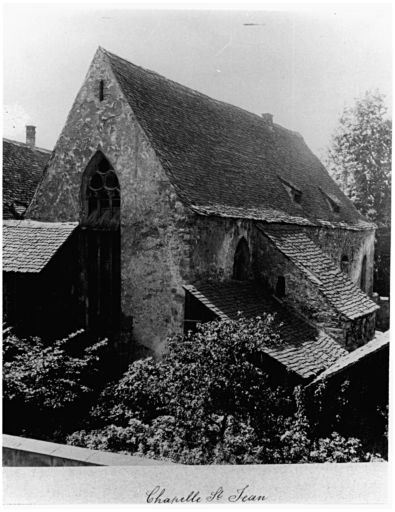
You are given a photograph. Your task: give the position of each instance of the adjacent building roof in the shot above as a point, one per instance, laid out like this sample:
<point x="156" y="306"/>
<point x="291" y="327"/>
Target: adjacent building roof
<point x="377" y="344"/>
<point x="225" y="161"/>
<point x="343" y="295"/>
<point x="22" y="171"/>
<point x="29" y="245"/>
<point x="305" y="350"/>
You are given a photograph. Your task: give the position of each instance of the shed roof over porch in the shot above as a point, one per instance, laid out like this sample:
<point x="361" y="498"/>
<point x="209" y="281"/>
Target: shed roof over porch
<point x="305" y="350"/>
<point x="28" y="245"/>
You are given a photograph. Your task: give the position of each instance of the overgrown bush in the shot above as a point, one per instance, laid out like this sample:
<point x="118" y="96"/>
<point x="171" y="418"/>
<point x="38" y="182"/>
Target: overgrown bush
<point x="206" y="403"/>
<point x="48" y="389"/>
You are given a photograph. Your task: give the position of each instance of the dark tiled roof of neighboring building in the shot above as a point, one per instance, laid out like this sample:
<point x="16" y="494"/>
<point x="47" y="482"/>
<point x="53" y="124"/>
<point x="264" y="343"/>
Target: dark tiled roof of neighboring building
<point x="354" y="357"/>
<point x="225" y="161"/>
<point x="305" y="350"/>
<point x="29" y="245"/>
<point x="343" y="295"/>
<point x="22" y="171"/>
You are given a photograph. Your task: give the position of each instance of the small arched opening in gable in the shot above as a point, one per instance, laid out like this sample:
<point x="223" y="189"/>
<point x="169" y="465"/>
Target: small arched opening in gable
<point x="241" y="266"/>
<point x="101" y="200"/>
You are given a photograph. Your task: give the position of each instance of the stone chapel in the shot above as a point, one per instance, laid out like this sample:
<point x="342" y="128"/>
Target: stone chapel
<point x="160" y="208"/>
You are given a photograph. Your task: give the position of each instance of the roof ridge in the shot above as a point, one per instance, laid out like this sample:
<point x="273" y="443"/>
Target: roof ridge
<point x="25" y="145"/>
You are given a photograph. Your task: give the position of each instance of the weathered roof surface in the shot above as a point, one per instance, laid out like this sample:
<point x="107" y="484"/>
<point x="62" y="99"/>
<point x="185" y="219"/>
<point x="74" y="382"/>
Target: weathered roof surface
<point x="306" y="351"/>
<point x="225" y="161"/>
<point x="22" y="171"/>
<point x="29" y="245"/>
<point x="354" y="357"/>
<point x="320" y="270"/>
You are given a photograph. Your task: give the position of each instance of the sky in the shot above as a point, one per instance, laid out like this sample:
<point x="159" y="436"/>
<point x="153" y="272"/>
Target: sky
<point x="301" y="65"/>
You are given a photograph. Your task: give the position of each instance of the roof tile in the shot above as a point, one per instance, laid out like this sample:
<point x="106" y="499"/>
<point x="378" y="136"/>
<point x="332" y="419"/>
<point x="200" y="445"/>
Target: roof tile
<point x="29" y="245"/>
<point x="22" y="171"/>
<point x="225" y="161"/>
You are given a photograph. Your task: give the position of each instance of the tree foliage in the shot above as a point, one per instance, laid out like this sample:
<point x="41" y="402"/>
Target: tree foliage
<point x="206" y="403"/>
<point x="46" y="389"/>
<point x="359" y="158"/>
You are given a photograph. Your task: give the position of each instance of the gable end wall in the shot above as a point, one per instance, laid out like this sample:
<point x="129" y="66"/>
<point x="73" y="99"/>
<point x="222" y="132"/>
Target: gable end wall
<point x="154" y="247"/>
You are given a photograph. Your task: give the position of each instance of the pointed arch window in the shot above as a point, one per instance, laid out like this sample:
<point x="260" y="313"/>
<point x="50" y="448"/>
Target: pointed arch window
<point x="241" y="264"/>
<point x="102" y="246"/>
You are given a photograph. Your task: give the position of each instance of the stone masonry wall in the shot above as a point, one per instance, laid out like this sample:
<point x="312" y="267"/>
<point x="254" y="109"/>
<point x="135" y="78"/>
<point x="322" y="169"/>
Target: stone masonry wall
<point x="269" y="263"/>
<point x="213" y="243"/>
<point x="360" y="331"/>
<point x="337" y="243"/>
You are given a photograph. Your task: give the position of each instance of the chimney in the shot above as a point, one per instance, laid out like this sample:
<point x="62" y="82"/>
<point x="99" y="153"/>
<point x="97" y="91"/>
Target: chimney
<point x="31" y="136"/>
<point x="268" y="118"/>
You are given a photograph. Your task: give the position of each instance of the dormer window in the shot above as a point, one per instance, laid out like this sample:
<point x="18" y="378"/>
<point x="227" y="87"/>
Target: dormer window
<point x="297" y="196"/>
<point x="332" y="201"/>
<point x="293" y="191"/>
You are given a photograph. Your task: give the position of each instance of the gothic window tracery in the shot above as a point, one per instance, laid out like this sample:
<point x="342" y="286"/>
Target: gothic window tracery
<point x="103" y="190"/>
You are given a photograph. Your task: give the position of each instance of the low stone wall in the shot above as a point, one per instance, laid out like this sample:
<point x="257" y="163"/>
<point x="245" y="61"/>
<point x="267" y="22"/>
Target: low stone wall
<point x="22" y="451"/>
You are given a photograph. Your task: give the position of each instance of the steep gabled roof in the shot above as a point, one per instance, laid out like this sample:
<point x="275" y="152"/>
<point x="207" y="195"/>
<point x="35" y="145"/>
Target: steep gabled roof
<point x="320" y="270"/>
<point x="305" y="350"/>
<point x="22" y="171"/>
<point x="225" y="161"/>
<point x="28" y="245"/>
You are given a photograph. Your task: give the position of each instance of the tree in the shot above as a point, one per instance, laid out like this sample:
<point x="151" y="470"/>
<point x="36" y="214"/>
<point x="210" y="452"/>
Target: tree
<point x="206" y="403"/>
<point x="359" y="158"/>
<point x="47" y="390"/>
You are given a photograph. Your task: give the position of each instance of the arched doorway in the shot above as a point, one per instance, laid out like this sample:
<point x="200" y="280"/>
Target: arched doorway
<point x="102" y="252"/>
<point x="241" y="266"/>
